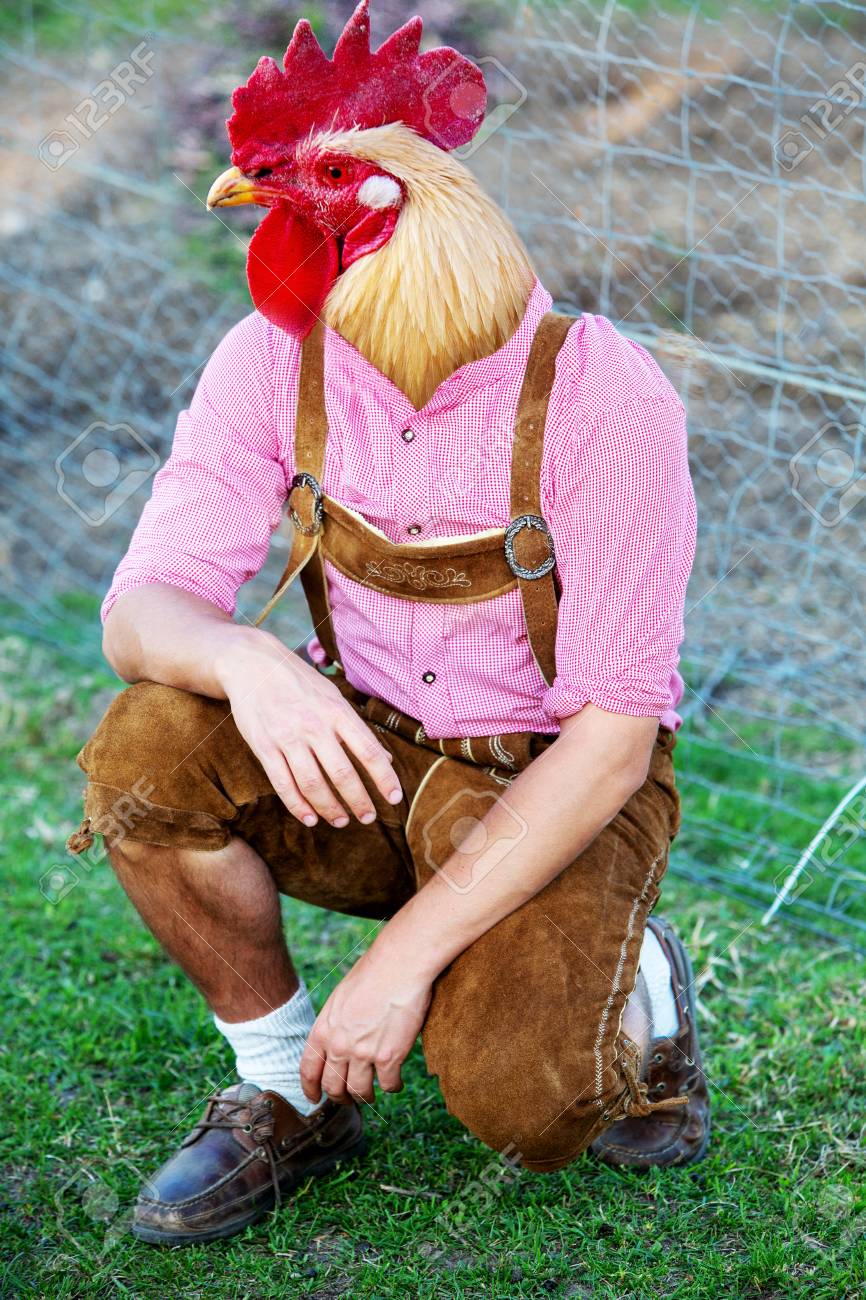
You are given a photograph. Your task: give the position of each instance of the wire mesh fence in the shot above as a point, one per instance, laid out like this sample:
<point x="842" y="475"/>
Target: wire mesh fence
<point x="696" y="173"/>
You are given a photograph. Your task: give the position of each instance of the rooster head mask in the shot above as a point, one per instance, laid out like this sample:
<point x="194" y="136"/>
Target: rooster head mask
<point x="327" y="208"/>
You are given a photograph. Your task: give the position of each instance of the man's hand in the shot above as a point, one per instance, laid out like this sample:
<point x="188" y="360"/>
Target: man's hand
<point x="301" y="730"/>
<point x="365" y="1029"/>
<point x="295" y="720"/>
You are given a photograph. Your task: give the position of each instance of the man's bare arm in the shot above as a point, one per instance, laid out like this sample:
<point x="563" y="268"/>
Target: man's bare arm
<point x="159" y="633"/>
<point x="561" y="801"/>
<point x="295" y="720"/>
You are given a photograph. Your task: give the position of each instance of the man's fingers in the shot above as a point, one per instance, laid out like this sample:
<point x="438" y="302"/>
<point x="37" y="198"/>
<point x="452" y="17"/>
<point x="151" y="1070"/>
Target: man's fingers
<point x="312" y="784"/>
<point x="307" y="776"/>
<point x="388" y="1073"/>
<point x="334" y="1079"/>
<point x="341" y="773"/>
<point x="372" y="756"/>
<point x="360" y="1081"/>
<point x="312" y="1066"/>
<point x="280" y="777"/>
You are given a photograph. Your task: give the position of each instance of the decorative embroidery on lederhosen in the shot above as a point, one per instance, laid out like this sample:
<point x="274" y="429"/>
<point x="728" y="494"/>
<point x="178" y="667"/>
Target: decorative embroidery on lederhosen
<point x="499" y="752"/>
<point x="405" y="572"/>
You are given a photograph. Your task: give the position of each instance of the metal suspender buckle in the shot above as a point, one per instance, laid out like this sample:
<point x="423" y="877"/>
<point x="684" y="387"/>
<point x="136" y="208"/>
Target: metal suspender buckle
<point x="516" y="526"/>
<point x="318" y="514"/>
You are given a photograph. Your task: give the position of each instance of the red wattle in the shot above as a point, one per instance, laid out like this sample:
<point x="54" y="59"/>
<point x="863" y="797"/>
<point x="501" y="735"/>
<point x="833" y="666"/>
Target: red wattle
<point x="369" y="234"/>
<point x="291" y="265"/>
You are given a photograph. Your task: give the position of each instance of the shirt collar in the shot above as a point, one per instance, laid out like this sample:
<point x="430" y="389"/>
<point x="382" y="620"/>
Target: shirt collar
<point x="506" y="362"/>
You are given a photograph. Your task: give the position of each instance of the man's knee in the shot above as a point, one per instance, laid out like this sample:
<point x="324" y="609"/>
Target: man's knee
<point x="149" y="727"/>
<point x="155" y="768"/>
<point x="528" y="1109"/>
<point x="154" y="727"/>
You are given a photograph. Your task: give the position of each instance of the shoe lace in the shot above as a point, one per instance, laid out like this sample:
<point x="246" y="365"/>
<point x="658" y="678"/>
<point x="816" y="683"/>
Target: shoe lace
<point x="225" y="1112"/>
<point x="638" y="1104"/>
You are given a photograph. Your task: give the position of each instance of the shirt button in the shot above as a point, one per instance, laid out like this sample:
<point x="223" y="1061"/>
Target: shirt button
<point x="414" y="529"/>
<point x="428" y="678"/>
<point x="408" y="435"/>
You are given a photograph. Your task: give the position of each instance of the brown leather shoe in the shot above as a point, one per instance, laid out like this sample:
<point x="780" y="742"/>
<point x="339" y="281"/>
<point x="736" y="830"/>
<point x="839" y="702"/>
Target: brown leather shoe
<point x="248" y="1149"/>
<point x="677" y="1136"/>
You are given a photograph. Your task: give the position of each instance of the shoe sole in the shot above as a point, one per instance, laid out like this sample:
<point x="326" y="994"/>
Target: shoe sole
<point x="154" y="1237"/>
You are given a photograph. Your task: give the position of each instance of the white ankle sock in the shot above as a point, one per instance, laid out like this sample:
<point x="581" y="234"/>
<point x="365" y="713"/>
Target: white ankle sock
<point x="657" y="974"/>
<point x="269" y="1049"/>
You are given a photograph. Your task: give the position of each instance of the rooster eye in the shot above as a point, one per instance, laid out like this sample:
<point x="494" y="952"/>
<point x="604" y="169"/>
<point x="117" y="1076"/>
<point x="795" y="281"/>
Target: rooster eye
<point x="335" y="172"/>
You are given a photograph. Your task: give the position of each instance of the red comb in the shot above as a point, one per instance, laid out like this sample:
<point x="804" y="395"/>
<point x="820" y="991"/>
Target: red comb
<point x="439" y="93"/>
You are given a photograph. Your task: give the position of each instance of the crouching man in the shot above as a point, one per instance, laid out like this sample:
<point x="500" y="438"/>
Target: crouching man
<point x="494" y="527"/>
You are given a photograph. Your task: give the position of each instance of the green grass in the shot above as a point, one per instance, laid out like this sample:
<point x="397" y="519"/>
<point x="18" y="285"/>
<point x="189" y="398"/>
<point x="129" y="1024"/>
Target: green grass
<point x="59" y="24"/>
<point x="106" y="1047"/>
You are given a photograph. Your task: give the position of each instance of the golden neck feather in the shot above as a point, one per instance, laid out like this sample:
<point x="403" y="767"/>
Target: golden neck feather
<point x="452" y="283"/>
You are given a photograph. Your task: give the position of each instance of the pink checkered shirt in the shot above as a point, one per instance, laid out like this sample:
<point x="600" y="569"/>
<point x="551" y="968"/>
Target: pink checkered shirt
<point x="616" y="493"/>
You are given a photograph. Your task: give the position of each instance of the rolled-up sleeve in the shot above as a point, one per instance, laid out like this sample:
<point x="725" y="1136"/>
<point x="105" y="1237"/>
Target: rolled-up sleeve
<point x="218" y="498"/>
<point x="623" y="524"/>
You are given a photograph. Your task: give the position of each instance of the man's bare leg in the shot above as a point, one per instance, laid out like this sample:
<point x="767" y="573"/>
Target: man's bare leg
<point x="217" y="914"/>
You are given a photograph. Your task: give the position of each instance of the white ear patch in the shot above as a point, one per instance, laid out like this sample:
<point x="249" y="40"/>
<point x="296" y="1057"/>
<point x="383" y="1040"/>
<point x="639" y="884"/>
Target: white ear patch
<point x="380" y="192"/>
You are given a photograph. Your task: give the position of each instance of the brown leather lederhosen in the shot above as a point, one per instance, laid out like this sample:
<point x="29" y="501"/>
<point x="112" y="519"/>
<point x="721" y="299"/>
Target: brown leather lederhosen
<point x="459" y="571"/>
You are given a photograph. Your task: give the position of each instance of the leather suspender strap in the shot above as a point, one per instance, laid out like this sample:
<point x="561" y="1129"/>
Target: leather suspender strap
<point x="311" y="428"/>
<point x="305" y="497"/>
<point x="315" y="584"/>
<point x="528" y="543"/>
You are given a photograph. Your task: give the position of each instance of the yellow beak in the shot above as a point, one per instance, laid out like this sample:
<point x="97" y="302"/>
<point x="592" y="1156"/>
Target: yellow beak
<point x="233" y="188"/>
